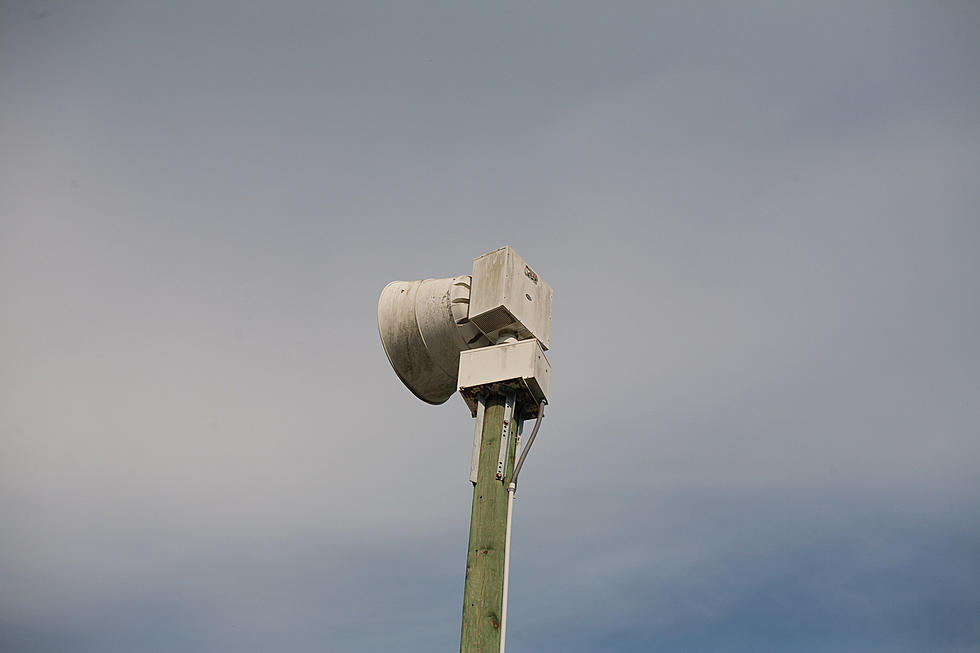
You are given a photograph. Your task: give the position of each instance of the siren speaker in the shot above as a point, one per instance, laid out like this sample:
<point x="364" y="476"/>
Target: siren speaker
<point x="424" y="326"/>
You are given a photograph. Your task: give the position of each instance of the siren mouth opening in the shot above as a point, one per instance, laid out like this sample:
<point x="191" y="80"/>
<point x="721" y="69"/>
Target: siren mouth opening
<point x="423" y="328"/>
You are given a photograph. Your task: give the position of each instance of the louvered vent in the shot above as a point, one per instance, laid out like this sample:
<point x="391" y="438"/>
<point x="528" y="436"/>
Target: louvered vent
<point x="493" y="320"/>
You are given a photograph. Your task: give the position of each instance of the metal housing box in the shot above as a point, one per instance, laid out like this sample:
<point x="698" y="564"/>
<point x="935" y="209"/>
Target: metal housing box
<point x="520" y="366"/>
<point x="508" y="296"/>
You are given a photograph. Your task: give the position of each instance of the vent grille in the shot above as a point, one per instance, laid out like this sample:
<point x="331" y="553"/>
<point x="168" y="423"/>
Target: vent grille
<point x="493" y="320"/>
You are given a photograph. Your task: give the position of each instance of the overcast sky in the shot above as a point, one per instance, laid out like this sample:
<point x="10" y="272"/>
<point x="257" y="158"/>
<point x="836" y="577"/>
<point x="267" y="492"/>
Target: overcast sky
<point x="762" y="225"/>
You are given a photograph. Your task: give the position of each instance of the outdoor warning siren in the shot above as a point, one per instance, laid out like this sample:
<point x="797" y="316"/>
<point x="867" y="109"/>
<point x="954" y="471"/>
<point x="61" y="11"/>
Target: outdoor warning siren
<point x="484" y="335"/>
<point x="426" y="325"/>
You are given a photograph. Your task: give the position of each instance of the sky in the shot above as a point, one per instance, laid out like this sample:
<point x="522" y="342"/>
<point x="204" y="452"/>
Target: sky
<point x="761" y="224"/>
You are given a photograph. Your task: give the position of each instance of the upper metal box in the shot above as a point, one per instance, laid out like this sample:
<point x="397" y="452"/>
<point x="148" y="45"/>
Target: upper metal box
<point x="508" y="296"/>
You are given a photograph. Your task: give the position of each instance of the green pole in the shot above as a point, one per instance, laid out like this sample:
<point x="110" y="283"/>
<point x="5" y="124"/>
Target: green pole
<point x="484" y="586"/>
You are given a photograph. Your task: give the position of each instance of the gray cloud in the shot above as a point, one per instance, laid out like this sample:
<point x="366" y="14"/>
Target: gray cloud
<point x="760" y="226"/>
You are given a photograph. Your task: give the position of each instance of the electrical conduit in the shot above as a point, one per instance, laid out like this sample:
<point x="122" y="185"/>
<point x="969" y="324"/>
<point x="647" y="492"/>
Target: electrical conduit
<point x="511" y="490"/>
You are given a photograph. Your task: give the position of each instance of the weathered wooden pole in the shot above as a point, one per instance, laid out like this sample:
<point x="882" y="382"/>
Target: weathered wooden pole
<point x="483" y="588"/>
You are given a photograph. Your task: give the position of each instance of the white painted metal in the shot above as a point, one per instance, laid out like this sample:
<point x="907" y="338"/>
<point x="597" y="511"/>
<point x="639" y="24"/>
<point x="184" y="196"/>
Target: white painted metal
<point x="423" y="329"/>
<point x="481" y="406"/>
<point x="508" y="296"/>
<point x="521" y="366"/>
<point x="510" y="399"/>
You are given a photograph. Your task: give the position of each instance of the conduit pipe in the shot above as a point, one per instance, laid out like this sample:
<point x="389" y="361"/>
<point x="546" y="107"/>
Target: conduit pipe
<point x="511" y="490"/>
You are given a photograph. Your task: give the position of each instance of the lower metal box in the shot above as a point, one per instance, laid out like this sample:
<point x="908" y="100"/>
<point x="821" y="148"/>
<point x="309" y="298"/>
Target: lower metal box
<point x="519" y="366"/>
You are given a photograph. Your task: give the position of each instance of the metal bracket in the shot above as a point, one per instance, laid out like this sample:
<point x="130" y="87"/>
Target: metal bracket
<point x="481" y="407"/>
<point x="510" y="399"/>
<point x="520" y="433"/>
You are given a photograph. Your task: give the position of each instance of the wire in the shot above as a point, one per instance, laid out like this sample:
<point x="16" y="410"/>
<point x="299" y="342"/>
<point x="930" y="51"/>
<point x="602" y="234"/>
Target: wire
<point x="511" y="490"/>
<point x="530" y="441"/>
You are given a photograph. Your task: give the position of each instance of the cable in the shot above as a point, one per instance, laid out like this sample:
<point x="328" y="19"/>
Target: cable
<point x="511" y="490"/>
<point x="530" y="441"/>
